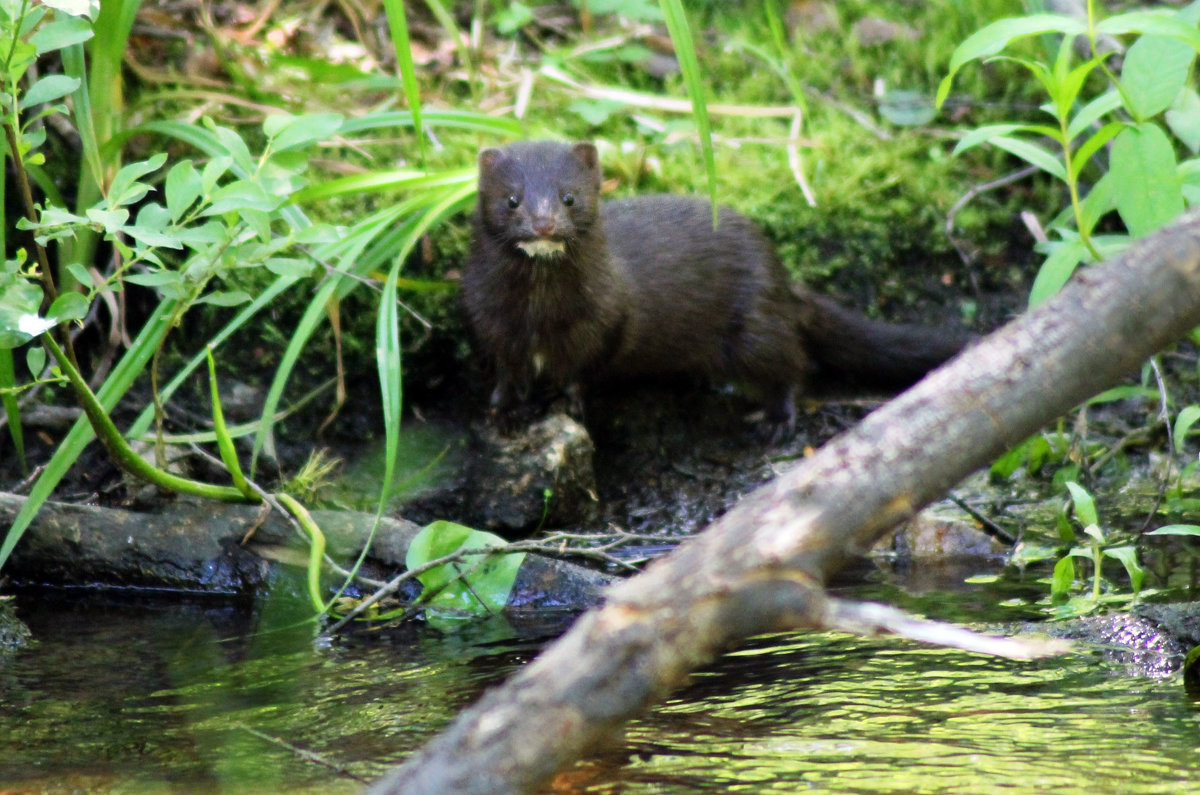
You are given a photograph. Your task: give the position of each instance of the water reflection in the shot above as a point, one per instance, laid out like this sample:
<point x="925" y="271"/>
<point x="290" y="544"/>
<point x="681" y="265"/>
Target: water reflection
<point x="212" y="697"/>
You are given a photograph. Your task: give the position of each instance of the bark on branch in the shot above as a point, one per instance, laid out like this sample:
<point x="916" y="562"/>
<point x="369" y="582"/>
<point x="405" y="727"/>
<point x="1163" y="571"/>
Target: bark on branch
<point x="761" y="566"/>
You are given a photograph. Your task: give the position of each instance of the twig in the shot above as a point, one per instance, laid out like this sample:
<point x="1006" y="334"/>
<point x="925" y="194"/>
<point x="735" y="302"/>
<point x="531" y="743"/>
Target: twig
<point x="310" y="756"/>
<point x="1164" y="414"/>
<point x="1020" y="174"/>
<point x="793" y="152"/>
<point x="869" y="620"/>
<point x="987" y="525"/>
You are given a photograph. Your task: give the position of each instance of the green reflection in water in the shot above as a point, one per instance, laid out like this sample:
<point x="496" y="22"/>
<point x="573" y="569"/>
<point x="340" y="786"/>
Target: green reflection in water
<point x="139" y="697"/>
<point x="834" y="714"/>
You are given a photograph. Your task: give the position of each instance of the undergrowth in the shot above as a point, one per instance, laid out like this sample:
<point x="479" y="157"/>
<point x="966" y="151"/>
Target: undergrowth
<point x="336" y="160"/>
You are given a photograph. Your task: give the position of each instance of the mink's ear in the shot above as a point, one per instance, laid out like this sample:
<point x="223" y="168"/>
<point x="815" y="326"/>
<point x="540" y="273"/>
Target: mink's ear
<point x="586" y="152"/>
<point x="488" y="158"/>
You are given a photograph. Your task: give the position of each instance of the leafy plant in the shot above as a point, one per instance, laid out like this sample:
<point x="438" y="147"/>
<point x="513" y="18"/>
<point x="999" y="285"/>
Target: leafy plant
<point x="210" y="220"/>
<point x="184" y="230"/>
<point x="1132" y="121"/>
<point x="1066" y="601"/>
<point x="476" y="577"/>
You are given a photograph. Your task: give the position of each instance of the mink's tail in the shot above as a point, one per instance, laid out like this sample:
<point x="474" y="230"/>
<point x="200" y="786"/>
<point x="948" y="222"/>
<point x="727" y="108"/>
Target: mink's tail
<point x="854" y="352"/>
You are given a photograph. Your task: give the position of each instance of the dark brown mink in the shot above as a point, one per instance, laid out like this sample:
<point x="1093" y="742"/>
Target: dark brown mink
<point x="561" y="289"/>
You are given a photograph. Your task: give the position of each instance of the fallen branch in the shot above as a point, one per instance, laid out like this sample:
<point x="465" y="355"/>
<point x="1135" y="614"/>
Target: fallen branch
<point x="761" y="566"/>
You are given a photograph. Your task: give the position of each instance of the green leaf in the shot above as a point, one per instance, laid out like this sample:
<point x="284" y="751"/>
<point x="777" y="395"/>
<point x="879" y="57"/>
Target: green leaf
<point x="183" y="187"/>
<point x="202" y="236"/>
<point x="152" y="237"/>
<point x="1065" y="88"/>
<point x="385" y="180"/>
<point x="112" y="221"/>
<point x="61" y="33"/>
<point x="513" y="18"/>
<point x="82" y="275"/>
<point x="1147" y="187"/>
<point x="1006" y="465"/>
<point x="1176" y="530"/>
<point x="240" y="196"/>
<point x="1063" y="578"/>
<point x="1085" y="506"/>
<point x="1183" y="423"/>
<point x="67" y="307"/>
<point x="1184" y="119"/>
<point x="1128" y="557"/>
<point x="1056" y="270"/>
<point x="225" y="298"/>
<point x="1099" y="202"/>
<point x="466" y="585"/>
<point x="47" y="89"/>
<point x="1127" y="392"/>
<point x="291" y="132"/>
<point x="125" y="188"/>
<point x="289" y="267"/>
<point x="1089" y="147"/>
<point x="1032" y="154"/>
<point x="1100" y="106"/>
<point x="214" y="169"/>
<point x="20" y="302"/>
<point x="233" y="145"/>
<point x="162" y="278"/>
<point x="35" y="360"/>
<point x="993" y="38"/>
<point x="1155" y="70"/>
<point x="984" y="134"/>
<point x="77" y="8"/>
<point x="1163" y="22"/>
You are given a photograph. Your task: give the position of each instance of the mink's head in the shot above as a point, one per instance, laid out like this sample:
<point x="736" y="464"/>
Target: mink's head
<point x="540" y="197"/>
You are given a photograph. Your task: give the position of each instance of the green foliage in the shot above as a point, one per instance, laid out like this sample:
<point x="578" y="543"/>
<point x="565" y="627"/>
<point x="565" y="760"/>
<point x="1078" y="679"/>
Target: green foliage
<point x="1066" y="601"/>
<point x="689" y="65"/>
<point x="1124" y="146"/>
<point x="1144" y="183"/>
<point x="1176" y="530"/>
<point x="185" y="230"/>
<point x="469" y="583"/>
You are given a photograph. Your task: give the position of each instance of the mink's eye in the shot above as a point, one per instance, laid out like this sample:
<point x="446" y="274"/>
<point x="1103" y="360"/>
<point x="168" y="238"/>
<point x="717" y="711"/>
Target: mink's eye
<point x="568" y="199"/>
<point x="514" y="201"/>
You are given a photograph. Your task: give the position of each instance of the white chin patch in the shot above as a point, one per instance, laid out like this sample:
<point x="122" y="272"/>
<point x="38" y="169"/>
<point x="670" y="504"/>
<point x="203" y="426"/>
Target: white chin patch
<point x="542" y="247"/>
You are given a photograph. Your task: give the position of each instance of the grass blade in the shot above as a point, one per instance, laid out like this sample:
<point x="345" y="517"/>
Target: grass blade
<point x="455" y="119"/>
<point x="398" y="25"/>
<point x="689" y="66"/>
<point x="8" y="380"/>
<point x="132" y="364"/>
<point x="224" y="441"/>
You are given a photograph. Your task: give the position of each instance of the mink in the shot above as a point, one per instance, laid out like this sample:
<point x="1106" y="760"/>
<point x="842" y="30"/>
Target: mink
<point x="561" y="289"/>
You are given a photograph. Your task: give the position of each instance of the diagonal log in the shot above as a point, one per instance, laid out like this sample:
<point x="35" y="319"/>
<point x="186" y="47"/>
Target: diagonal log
<point x="761" y="566"/>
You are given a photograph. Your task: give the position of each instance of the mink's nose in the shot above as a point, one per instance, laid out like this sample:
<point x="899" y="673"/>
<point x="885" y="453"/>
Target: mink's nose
<point x="543" y="226"/>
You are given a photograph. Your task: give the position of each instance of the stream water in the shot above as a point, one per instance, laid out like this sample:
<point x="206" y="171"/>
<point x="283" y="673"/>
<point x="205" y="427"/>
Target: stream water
<point x="164" y="696"/>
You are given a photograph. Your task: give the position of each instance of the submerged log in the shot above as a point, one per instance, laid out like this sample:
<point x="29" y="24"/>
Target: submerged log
<point x="760" y="567"/>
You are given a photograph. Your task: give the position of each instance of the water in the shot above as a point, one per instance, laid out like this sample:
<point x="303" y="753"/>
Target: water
<point x="158" y="696"/>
